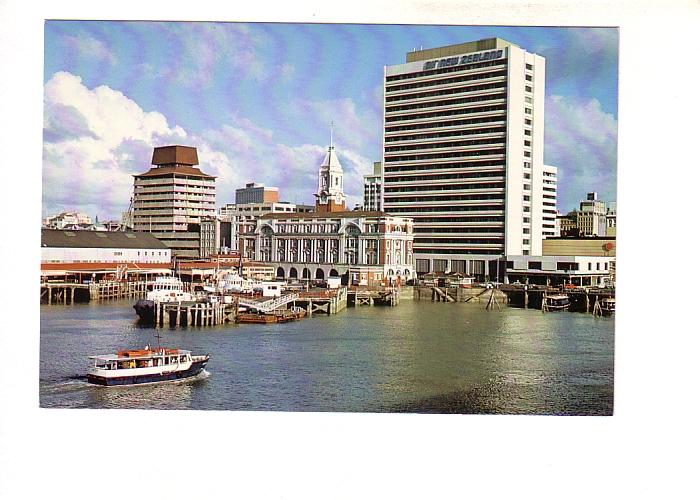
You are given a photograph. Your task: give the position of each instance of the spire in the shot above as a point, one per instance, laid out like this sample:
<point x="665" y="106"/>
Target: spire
<point x="331" y="146"/>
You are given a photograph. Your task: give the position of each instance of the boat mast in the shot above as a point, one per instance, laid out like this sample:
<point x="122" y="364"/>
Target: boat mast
<point x="158" y="340"/>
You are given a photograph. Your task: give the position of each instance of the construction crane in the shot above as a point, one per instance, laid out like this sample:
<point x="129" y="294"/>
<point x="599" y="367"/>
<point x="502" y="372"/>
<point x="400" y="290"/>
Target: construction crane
<point x="128" y="217"/>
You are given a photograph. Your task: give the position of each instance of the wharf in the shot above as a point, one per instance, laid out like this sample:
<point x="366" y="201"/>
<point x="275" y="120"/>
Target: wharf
<point x="194" y="313"/>
<point x="369" y="296"/>
<point x="328" y="301"/>
<point x="456" y="294"/>
<point x="53" y="292"/>
<point x="581" y="299"/>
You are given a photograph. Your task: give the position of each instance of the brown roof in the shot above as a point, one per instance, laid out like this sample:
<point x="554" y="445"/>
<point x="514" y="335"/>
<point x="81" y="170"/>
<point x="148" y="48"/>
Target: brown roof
<point x="100" y="266"/>
<point x="170" y="155"/>
<point x="59" y="238"/>
<point x="206" y="265"/>
<point x="177" y="169"/>
<point x="323" y="215"/>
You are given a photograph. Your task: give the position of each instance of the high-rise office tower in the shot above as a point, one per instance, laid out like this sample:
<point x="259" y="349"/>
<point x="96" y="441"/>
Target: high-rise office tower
<point x="172" y="199"/>
<point x="463" y="153"/>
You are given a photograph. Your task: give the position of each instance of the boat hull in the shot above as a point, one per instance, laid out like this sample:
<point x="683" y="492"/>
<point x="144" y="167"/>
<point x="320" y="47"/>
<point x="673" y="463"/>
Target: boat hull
<point x="145" y="309"/>
<point x="166" y="376"/>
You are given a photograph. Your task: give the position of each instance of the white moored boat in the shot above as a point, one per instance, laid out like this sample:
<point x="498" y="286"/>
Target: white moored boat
<point x="168" y="289"/>
<point x="558" y="302"/>
<point x="607" y="306"/>
<point x="165" y="289"/>
<point x="147" y="365"/>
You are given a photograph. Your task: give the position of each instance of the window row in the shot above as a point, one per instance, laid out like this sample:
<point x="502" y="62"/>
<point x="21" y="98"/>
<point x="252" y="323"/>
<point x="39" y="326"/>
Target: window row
<point x="389" y="169"/>
<point x="450" y="123"/>
<point x="456" y="154"/>
<point x="451" y="69"/>
<point x="446" y="102"/>
<point x="453" y="112"/>
<point x="446" y="187"/>
<point x="437" y="93"/>
<point x="453" y="144"/>
<point x="451" y="133"/>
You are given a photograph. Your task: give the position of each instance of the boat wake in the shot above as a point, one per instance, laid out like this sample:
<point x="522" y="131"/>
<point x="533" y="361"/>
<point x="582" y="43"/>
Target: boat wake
<point x="71" y="383"/>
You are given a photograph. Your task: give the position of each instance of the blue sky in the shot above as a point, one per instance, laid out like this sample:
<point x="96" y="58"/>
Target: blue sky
<point x="257" y="101"/>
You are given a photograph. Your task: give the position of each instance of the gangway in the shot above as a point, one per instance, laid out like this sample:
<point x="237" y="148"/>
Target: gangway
<point x="268" y="305"/>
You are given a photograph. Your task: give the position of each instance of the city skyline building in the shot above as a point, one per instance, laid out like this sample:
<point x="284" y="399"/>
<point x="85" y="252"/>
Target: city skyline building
<point x="463" y="152"/>
<point x="591" y="217"/>
<point x="364" y="246"/>
<point x="611" y="219"/>
<point x="257" y="193"/>
<point x="66" y="218"/>
<point x="234" y="216"/>
<point x="372" y="193"/>
<point x="172" y="198"/>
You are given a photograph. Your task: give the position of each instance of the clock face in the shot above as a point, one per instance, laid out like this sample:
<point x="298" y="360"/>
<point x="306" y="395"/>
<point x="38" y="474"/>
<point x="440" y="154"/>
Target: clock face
<point x="323" y="198"/>
<point x="338" y="198"/>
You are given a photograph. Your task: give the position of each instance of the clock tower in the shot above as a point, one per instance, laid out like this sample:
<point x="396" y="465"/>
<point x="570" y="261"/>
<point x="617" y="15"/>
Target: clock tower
<point x="330" y="196"/>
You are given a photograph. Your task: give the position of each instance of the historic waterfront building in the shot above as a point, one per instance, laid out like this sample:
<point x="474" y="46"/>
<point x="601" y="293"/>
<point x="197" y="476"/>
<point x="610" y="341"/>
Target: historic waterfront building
<point x="172" y="200"/>
<point x="330" y="196"/>
<point x="463" y="154"/>
<point x="235" y="215"/>
<point x="367" y="247"/>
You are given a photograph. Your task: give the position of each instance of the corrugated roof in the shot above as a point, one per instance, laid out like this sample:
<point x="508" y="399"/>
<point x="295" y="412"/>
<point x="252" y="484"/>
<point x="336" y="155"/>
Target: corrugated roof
<point x="58" y="238"/>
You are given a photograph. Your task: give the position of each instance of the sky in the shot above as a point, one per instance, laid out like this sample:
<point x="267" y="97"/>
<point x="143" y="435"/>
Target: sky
<point x="257" y="101"/>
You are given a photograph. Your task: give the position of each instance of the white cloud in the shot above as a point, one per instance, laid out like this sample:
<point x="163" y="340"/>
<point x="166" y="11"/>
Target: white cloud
<point x="89" y="48"/>
<point x="89" y="158"/>
<point x="207" y="47"/>
<point x="96" y="139"/>
<point x="581" y="140"/>
<point x="354" y="128"/>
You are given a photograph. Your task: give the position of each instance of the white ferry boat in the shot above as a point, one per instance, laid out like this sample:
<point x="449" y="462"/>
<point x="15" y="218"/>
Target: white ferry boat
<point x="168" y="289"/>
<point x="144" y="366"/>
<point x="165" y="289"/>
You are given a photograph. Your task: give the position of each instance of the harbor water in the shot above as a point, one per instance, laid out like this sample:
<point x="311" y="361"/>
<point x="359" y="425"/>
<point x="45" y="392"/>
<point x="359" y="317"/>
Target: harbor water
<point x="419" y="357"/>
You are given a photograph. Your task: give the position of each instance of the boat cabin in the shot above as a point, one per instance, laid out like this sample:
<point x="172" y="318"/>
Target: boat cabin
<point x="141" y="359"/>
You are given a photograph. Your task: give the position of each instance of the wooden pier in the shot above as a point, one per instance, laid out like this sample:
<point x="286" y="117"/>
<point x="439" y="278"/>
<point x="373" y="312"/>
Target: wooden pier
<point x="70" y="293"/>
<point x="455" y="294"/>
<point x="177" y="314"/>
<point x="327" y="302"/>
<point x="370" y="296"/>
<point x="581" y="299"/>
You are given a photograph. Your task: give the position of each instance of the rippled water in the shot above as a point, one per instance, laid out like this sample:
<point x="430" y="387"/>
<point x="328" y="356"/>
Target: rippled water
<point x="416" y="357"/>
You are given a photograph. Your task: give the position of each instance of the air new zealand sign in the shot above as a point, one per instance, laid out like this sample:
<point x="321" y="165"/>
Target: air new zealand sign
<point x="458" y="61"/>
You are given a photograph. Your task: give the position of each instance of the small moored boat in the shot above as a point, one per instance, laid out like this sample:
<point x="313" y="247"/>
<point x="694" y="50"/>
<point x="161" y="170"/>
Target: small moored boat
<point x="557" y="302"/>
<point x="607" y="306"/>
<point x="142" y="366"/>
